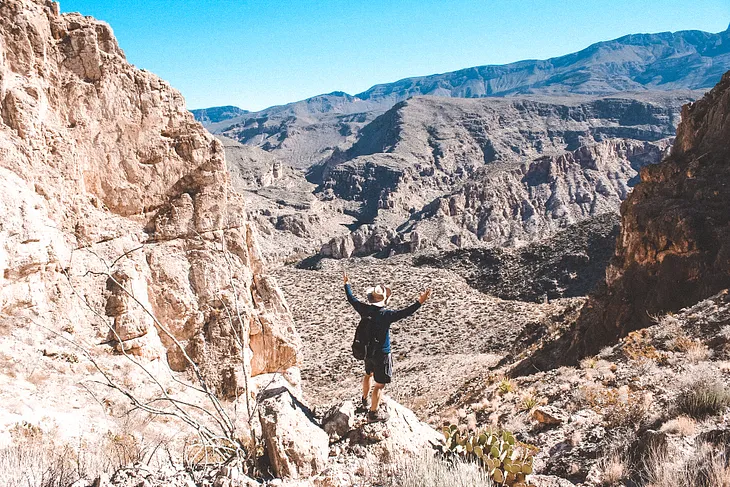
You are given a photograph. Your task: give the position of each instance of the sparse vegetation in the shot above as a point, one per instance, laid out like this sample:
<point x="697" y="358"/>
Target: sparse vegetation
<point x="708" y="467"/>
<point x="529" y="402"/>
<point x="681" y="425"/>
<point x="505" y="386"/>
<point x="429" y="471"/>
<point x="619" y="407"/>
<point x="613" y="469"/>
<point x="703" y="397"/>
<point x="40" y="459"/>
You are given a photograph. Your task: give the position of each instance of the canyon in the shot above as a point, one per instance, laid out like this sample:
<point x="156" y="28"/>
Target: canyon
<point x="171" y="302"/>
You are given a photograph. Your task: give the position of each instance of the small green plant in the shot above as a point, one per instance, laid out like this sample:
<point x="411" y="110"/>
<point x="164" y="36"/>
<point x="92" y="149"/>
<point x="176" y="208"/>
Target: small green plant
<point x="505" y="386"/>
<point x="702" y="398"/>
<point x="506" y="460"/>
<point x="529" y="402"/>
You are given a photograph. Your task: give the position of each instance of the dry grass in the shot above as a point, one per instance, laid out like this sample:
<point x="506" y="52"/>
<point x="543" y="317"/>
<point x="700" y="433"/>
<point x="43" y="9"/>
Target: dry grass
<point x="703" y="397"/>
<point x="620" y="408"/>
<point x="708" y="467"/>
<point x="681" y="425"/>
<point x="613" y="469"/>
<point x="427" y="470"/>
<point x="38" y="459"/>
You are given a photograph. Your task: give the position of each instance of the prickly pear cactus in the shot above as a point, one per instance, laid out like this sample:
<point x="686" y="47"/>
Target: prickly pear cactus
<point x="506" y="460"/>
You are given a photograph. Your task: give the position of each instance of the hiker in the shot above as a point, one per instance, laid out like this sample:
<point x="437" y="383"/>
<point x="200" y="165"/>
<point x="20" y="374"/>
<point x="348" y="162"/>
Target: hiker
<point x="376" y="321"/>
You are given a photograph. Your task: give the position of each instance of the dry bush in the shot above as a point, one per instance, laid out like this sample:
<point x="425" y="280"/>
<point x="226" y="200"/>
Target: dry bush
<point x="681" y="425"/>
<point x="637" y="346"/>
<point x="695" y="351"/>
<point x="39" y="459"/>
<point x="620" y="408"/>
<point x="613" y="468"/>
<point x="708" y="467"/>
<point x="703" y="397"/>
<point x="427" y="470"/>
<point x="35" y="460"/>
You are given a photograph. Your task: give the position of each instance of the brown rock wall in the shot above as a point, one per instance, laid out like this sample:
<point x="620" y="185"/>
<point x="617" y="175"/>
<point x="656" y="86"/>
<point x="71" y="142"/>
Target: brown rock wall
<point x="674" y="246"/>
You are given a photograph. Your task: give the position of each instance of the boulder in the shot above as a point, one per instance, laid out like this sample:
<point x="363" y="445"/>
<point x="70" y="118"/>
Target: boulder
<point x="549" y="415"/>
<point x="296" y="445"/>
<point x="402" y="434"/>
<point x="339" y="419"/>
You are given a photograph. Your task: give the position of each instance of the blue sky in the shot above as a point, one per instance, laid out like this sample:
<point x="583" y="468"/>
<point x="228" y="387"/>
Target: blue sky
<point x="256" y="53"/>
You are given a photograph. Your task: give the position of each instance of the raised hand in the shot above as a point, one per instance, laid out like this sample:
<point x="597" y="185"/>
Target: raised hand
<point x="345" y="277"/>
<point x="424" y="296"/>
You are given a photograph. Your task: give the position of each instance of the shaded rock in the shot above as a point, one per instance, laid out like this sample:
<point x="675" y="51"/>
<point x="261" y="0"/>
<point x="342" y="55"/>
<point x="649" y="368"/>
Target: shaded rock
<point x="296" y="445"/>
<point x="339" y="419"/>
<point x="674" y="246"/>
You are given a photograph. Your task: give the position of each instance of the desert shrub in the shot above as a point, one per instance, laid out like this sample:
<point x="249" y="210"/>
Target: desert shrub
<point x="35" y="460"/>
<point x="619" y="407"/>
<point x="505" y="386"/>
<point x="612" y="469"/>
<point x="427" y="470"/>
<point x="703" y="397"/>
<point x="506" y="460"/>
<point x="681" y="425"/>
<point x="637" y="346"/>
<point x="709" y="466"/>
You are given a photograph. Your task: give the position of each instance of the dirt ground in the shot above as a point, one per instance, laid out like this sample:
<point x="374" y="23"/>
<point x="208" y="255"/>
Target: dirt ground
<point x="454" y="338"/>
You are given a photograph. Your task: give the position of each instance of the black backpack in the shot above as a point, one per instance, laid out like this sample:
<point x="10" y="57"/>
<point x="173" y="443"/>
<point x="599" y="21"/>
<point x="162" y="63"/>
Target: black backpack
<point x="362" y="345"/>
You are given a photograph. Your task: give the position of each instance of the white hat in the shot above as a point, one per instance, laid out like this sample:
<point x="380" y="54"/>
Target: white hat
<point x="378" y="295"/>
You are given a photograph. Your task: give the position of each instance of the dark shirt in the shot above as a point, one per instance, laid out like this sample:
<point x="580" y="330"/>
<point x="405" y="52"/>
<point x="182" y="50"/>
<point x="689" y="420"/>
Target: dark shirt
<point x="382" y="318"/>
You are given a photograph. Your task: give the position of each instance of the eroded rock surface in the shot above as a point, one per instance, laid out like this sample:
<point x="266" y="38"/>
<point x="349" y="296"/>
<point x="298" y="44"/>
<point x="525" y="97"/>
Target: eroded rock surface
<point x="445" y="174"/>
<point x="116" y="209"/>
<point x="673" y="248"/>
<point x="297" y="446"/>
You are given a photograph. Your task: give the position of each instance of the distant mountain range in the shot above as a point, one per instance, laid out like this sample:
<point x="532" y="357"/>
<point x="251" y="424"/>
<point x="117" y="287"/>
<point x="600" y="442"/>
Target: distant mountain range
<point x="217" y="114"/>
<point x="665" y="61"/>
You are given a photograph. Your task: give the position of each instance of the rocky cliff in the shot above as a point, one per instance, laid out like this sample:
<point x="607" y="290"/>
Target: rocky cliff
<point x="452" y="173"/>
<point x="673" y="249"/>
<point x="119" y="230"/>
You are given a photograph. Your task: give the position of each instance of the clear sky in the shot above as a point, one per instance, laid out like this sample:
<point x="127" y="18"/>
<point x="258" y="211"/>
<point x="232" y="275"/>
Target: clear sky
<point x="257" y="53"/>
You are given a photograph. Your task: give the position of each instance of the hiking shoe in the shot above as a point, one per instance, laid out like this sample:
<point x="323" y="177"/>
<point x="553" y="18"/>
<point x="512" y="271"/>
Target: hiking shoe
<point x="364" y="403"/>
<point x="378" y="416"/>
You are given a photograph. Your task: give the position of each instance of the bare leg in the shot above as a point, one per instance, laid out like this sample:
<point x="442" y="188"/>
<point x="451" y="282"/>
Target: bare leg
<point x="377" y="393"/>
<point x="366" y="385"/>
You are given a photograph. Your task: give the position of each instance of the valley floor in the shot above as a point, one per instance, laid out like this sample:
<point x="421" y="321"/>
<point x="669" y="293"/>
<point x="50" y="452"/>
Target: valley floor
<point x="455" y="338"/>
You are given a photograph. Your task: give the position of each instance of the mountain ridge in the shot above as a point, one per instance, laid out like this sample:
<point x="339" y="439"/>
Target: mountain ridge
<point x="493" y="83"/>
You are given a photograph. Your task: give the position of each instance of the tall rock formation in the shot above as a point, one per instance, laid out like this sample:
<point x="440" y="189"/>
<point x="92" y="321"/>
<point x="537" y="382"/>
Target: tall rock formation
<point x="103" y="172"/>
<point x="674" y="246"/>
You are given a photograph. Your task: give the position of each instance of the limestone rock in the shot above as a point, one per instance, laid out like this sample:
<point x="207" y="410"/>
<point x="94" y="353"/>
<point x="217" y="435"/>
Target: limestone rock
<point x="117" y="206"/>
<point x="402" y="434"/>
<point x="296" y="445"/>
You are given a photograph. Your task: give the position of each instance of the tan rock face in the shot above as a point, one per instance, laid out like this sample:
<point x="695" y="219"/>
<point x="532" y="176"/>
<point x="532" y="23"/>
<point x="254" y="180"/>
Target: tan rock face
<point x="116" y="202"/>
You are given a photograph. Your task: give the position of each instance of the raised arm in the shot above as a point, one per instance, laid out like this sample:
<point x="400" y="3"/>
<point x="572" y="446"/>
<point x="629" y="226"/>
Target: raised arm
<point x="359" y="306"/>
<point x="406" y="312"/>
